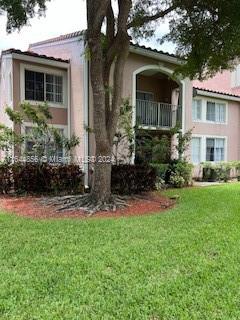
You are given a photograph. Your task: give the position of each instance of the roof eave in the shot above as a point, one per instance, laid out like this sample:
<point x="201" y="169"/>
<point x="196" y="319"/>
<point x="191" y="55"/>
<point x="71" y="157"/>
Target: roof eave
<point x="155" y="55"/>
<point x="204" y="93"/>
<point x="46" y="61"/>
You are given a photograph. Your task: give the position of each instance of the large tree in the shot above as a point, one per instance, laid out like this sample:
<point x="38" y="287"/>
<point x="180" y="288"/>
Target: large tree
<point x="20" y="11"/>
<point x="207" y="37"/>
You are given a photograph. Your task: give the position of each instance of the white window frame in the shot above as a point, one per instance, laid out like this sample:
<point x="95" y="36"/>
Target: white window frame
<point x="205" y="100"/>
<point x="200" y="150"/>
<point x="216" y="102"/>
<point x="203" y="148"/>
<point x="45" y="71"/>
<point x="201" y="117"/>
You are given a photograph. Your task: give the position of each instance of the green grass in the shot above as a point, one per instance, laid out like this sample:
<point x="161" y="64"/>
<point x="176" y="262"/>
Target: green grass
<point x="183" y="264"/>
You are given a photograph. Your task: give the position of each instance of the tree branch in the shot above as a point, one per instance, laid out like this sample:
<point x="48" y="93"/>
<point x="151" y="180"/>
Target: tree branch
<point x="96" y="12"/>
<point x="120" y="48"/>
<point x="140" y="21"/>
<point x="110" y="23"/>
<point x="110" y="33"/>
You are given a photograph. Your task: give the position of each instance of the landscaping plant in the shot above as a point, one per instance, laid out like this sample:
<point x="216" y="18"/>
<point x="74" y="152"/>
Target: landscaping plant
<point x="45" y="139"/>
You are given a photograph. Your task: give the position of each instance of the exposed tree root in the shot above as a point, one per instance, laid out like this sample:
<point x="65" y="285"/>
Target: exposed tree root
<point x="85" y="203"/>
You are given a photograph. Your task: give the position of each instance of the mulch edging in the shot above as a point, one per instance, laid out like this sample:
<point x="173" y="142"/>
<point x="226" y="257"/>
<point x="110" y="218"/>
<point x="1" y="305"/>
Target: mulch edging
<point x="30" y="207"/>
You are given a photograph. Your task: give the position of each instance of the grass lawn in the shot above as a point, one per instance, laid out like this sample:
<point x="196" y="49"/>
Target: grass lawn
<point x="181" y="264"/>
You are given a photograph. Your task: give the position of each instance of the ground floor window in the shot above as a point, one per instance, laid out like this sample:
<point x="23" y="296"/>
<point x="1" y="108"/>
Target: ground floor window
<point x="42" y="146"/>
<point x="196" y="150"/>
<point x="215" y="149"/>
<point x="208" y="149"/>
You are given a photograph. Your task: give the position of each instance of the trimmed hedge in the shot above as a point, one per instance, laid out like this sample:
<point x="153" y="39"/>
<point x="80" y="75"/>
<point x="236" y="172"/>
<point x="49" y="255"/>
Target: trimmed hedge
<point x="133" y="179"/>
<point x="41" y="178"/>
<point x="5" y="178"/>
<point x="44" y="178"/>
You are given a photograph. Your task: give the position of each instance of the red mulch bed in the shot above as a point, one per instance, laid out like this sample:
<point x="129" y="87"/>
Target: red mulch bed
<point x="30" y="207"/>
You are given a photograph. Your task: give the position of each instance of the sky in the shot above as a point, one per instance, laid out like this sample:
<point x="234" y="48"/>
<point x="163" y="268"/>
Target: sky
<point x="59" y="19"/>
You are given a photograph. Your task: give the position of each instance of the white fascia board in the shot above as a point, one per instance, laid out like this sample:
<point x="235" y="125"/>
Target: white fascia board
<point x="56" y="42"/>
<point x="221" y="96"/>
<point x="155" y="55"/>
<point x="40" y="60"/>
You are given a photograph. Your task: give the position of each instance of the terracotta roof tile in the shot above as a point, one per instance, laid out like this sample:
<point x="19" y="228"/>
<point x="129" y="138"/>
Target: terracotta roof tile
<point x="33" y="54"/>
<point x="59" y="38"/>
<point x="217" y="92"/>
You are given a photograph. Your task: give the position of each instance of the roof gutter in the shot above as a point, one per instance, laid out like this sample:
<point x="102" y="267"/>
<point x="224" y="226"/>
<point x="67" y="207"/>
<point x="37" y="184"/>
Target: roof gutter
<point x="155" y="55"/>
<point x="199" y="92"/>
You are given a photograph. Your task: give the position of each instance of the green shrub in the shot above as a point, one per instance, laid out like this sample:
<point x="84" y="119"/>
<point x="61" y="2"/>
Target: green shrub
<point x="161" y="169"/>
<point x="176" y="173"/>
<point x="218" y="171"/>
<point x="179" y="169"/>
<point x="133" y="179"/>
<point x="34" y="178"/>
<point x="5" y="178"/>
<point x="176" y="180"/>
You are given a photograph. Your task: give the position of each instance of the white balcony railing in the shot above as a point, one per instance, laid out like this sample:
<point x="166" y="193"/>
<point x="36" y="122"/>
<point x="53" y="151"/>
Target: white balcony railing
<point x="157" y="114"/>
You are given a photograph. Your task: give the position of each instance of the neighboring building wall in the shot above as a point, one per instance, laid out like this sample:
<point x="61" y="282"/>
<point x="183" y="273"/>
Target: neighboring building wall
<point x="222" y="82"/>
<point x="230" y="130"/>
<point x="72" y="49"/>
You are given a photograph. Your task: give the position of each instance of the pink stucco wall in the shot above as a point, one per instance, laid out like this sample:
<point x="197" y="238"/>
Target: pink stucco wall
<point x="221" y="82"/>
<point x="230" y="130"/>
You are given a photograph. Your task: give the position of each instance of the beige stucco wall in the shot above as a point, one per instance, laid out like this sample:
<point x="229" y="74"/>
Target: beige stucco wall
<point x="135" y="62"/>
<point x="72" y="49"/>
<point x="59" y="114"/>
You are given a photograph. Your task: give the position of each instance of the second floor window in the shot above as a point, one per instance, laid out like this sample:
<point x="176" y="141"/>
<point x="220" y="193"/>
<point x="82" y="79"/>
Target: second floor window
<point x="43" y="87"/>
<point x="216" y="112"/>
<point x="197" y="110"/>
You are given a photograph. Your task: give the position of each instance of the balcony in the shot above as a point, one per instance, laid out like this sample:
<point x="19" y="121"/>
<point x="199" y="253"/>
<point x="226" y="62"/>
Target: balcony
<point x="157" y="115"/>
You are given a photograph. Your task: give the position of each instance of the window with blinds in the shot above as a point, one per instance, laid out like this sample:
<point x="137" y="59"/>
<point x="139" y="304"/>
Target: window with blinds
<point x="216" y="112"/>
<point x="43" y="87"/>
<point x="215" y="149"/>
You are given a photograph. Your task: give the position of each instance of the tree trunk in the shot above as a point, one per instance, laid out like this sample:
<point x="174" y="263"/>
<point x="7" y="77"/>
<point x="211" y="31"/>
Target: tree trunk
<point x="101" y="188"/>
<point x="106" y="106"/>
